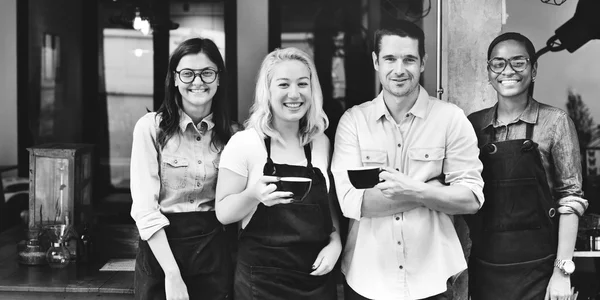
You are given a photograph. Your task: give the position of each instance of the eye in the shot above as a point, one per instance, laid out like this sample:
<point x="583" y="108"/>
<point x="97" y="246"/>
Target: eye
<point x="410" y="60"/>
<point x="283" y="84"/>
<point x="519" y="62"/>
<point x="389" y="59"/>
<point x="497" y="63"/>
<point x="186" y="73"/>
<point x="208" y="73"/>
<point x="303" y="84"/>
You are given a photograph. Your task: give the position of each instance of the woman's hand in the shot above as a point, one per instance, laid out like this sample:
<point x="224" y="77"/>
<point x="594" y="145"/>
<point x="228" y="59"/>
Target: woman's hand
<point x="175" y="288"/>
<point x="559" y="287"/>
<point x="264" y="192"/>
<point x="327" y="258"/>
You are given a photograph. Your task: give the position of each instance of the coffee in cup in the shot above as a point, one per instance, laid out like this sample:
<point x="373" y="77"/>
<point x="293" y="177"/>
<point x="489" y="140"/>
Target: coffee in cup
<point x="364" y="177"/>
<point x="299" y="186"/>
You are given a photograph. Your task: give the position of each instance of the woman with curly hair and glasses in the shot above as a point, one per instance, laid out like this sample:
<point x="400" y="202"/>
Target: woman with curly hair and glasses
<point x="524" y="235"/>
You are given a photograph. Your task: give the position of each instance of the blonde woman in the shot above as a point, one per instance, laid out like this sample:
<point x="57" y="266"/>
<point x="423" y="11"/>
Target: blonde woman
<point x="287" y="248"/>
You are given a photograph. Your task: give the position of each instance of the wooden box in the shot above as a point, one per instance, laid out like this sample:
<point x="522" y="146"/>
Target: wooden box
<point x="60" y="183"/>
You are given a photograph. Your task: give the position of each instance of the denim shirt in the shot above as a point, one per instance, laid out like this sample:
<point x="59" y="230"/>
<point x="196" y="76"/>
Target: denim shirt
<point x="181" y="177"/>
<point x="555" y="134"/>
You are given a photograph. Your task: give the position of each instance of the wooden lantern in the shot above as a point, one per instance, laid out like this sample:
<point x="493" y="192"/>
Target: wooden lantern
<point x="60" y="183"/>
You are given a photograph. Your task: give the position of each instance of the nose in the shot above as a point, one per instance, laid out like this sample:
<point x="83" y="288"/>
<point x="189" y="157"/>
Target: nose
<point x="197" y="79"/>
<point x="399" y="67"/>
<point x="293" y="92"/>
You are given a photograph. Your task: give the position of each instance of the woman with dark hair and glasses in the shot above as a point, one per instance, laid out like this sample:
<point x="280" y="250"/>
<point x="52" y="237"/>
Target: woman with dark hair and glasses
<point x="524" y="235"/>
<point x="183" y="252"/>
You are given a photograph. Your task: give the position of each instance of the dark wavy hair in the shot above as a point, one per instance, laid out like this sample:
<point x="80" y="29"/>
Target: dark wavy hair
<point x="402" y="28"/>
<point x="523" y="40"/>
<point x="172" y="105"/>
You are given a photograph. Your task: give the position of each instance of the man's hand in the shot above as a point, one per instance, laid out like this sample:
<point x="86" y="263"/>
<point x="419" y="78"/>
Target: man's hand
<point x="397" y="186"/>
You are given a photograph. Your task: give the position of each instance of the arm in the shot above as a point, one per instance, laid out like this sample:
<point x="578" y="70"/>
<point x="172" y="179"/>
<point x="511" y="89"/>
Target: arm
<point x="145" y="187"/>
<point x="567" y="188"/>
<point x="463" y="193"/>
<point x="234" y="197"/>
<point x="327" y="258"/>
<point x="357" y="203"/>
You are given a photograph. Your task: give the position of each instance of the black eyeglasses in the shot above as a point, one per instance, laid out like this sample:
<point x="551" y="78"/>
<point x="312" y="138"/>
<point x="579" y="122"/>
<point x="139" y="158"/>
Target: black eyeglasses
<point x="207" y="75"/>
<point x="517" y="63"/>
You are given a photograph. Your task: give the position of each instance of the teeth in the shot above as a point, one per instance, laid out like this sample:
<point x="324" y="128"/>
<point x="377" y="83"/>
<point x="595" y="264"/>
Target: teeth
<point x="198" y="90"/>
<point x="509" y="82"/>
<point x="293" y="105"/>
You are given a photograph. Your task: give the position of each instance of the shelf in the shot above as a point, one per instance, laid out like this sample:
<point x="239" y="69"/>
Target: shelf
<point x="586" y="254"/>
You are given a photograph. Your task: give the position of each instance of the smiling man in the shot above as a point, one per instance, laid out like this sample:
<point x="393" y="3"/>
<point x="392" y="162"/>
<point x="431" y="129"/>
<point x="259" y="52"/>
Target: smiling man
<point x="401" y="241"/>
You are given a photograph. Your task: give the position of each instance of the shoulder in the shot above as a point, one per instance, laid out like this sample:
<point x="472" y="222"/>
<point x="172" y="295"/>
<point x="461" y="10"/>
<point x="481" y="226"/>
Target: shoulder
<point x="445" y="107"/>
<point x="247" y="138"/>
<point x="320" y="142"/>
<point x="147" y="123"/>
<point x="546" y="110"/>
<point x="478" y="118"/>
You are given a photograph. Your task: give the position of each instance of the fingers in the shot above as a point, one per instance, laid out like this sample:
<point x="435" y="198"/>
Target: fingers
<point x="321" y="267"/>
<point x="268" y="179"/>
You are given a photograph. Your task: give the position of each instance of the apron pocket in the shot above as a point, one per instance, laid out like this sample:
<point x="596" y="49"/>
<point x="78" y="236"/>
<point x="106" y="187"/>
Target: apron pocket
<point x="201" y="254"/>
<point x="515" y="204"/>
<point x="297" y="223"/>
<point x="526" y="280"/>
<point x="277" y="283"/>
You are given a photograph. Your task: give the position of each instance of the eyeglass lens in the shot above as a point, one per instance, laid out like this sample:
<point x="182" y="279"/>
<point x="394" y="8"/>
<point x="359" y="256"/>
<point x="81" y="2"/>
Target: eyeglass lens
<point x="498" y="64"/>
<point x="206" y="75"/>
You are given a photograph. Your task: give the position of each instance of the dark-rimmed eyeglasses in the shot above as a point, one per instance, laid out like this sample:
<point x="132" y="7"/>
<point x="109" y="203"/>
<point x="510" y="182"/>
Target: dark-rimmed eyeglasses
<point x="517" y="63"/>
<point x="207" y="75"/>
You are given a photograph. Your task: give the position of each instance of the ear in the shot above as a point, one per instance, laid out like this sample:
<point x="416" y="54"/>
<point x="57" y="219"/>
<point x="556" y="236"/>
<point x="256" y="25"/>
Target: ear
<point x="375" y="61"/>
<point x="423" y="61"/>
<point x="534" y="69"/>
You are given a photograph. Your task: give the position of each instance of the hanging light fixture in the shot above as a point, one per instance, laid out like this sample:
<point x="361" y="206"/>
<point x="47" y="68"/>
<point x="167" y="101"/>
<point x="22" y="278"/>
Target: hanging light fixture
<point x="140" y="18"/>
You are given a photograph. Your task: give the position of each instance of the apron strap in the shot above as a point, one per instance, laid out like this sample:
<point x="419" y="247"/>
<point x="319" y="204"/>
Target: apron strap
<point x="269" y="168"/>
<point x="308" y="154"/>
<point x="529" y="131"/>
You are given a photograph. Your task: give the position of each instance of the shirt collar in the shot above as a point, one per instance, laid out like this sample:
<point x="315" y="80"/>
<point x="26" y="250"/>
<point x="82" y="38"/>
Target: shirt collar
<point x="529" y="115"/>
<point x="419" y="109"/>
<point x="205" y="125"/>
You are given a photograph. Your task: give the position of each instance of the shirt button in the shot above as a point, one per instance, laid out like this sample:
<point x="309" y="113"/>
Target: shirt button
<point x="407" y="115"/>
<point x="426" y="155"/>
<point x="399" y="145"/>
<point x="175" y="161"/>
<point x="191" y="201"/>
<point x="401" y="267"/>
<point x="198" y="184"/>
<point x="397" y="218"/>
<point x="368" y="157"/>
<point x="199" y="161"/>
<point x="399" y="243"/>
<point x="198" y="138"/>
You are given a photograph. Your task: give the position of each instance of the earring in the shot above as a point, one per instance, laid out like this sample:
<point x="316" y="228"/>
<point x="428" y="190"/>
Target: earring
<point x="533" y="79"/>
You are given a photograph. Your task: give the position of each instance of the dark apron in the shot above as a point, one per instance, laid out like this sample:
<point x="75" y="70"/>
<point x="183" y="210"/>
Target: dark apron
<point x="200" y="248"/>
<point x="277" y="248"/>
<point x="515" y="233"/>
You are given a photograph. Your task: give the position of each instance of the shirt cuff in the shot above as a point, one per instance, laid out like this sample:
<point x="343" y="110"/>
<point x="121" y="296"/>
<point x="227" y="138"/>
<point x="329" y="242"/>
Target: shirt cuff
<point x="475" y="188"/>
<point x="572" y="205"/>
<point x="150" y="223"/>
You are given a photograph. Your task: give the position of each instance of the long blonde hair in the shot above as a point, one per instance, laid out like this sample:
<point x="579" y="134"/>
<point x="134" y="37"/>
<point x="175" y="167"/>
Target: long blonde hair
<point x="312" y="124"/>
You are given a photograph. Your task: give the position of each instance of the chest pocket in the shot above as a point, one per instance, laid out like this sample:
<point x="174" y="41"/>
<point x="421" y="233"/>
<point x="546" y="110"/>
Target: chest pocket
<point x="174" y="172"/>
<point x="426" y="162"/>
<point x="376" y="158"/>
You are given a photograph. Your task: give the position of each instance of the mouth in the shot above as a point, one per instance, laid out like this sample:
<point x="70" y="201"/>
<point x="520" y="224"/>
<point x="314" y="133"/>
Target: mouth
<point x="399" y="80"/>
<point x="198" y="91"/>
<point x="293" y="105"/>
<point x="509" y="82"/>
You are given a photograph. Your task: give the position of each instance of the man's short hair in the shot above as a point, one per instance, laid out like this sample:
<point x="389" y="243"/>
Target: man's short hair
<point x="402" y="28"/>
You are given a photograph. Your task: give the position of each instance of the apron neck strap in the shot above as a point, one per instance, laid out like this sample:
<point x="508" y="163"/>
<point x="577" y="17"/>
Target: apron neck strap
<point x="307" y="152"/>
<point x="528" y="133"/>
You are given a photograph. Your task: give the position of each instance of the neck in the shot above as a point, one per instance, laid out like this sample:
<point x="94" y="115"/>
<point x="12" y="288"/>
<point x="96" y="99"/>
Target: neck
<point x="510" y="108"/>
<point x="197" y="113"/>
<point x="399" y="106"/>
<point x="288" y="131"/>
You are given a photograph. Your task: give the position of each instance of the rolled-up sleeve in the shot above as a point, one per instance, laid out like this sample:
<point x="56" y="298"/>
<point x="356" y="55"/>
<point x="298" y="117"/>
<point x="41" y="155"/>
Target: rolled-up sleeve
<point x="346" y="154"/>
<point x="145" y="180"/>
<point x="567" y="168"/>
<point x="462" y="165"/>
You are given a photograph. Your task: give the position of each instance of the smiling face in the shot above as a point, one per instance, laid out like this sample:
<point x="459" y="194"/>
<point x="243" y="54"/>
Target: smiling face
<point x="290" y="91"/>
<point x="399" y="66"/>
<point x="510" y="83"/>
<point x="196" y="95"/>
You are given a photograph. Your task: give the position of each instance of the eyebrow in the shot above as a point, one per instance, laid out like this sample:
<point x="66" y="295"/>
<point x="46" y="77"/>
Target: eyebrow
<point x="516" y="56"/>
<point x="402" y="56"/>
<point x="285" y="78"/>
